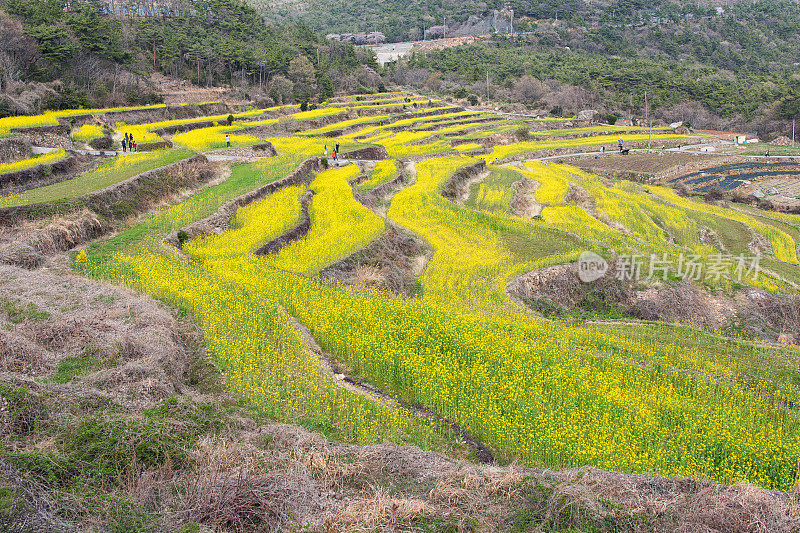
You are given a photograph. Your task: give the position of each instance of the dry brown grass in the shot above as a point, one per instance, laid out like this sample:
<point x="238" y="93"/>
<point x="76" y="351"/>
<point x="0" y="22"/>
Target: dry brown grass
<point x="20" y="355"/>
<point x="524" y="203"/>
<point x="28" y="242"/>
<point x="368" y="276"/>
<point x="238" y="487"/>
<point x="379" y="511"/>
<point x="133" y="345"/>
<point x="683" y="505"/>
<point x="389" y="262"/>
<point x="557" y="290"/>
<point x="577" y="195"/>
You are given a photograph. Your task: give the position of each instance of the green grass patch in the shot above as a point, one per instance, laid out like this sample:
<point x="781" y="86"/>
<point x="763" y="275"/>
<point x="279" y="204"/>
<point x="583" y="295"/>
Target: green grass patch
<point x="11" y="504"/>
<point x="25" y="412"/>
<point x="18" y="311"/>
<point x="110" y="172"/>
<point x="104" y="447"/>
<point x="88" y="361"/>
<point x="494" y="194"/>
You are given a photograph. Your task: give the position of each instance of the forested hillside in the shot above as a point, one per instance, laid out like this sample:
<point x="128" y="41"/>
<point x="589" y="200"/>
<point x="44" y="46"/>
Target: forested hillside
<point x="731" y="66"/>
<point x="104" y="58"/>
<point x="736" y="34"/>
<point x="567" y="81"/>
<point x="721" y="65"/>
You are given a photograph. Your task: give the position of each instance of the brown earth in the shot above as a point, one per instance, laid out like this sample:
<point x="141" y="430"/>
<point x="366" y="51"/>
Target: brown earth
<point x="370" y="153"/>
<point x="566" y="152"/>
<point x="662" y="164"/>
<point x="557" y="291"/>
<point x="390" y="263"/>
<point x="524" y="204"/>
<point x="247" y="153"/>
<point x="44" y="137"/>
<point x="457" y="187"/>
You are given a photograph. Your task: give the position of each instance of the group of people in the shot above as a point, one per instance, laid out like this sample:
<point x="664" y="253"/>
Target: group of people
<point x="335" y="153"/>
<point x="128" y="144"/>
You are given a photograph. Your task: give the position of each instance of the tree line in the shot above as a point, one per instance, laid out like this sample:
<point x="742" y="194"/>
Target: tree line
<point x="100" y="52"/>
<point x="566" y="81"/>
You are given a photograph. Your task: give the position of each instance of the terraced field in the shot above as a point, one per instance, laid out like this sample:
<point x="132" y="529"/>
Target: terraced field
<point x="544" y="389"/>
<point x="734" y="175"/>
<point x="110" y="172"/>
<point x="42" y="159"/>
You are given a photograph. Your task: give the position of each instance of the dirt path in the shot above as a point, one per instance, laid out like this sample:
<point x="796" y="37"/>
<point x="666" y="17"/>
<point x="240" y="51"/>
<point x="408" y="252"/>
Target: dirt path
<point x="356" y="386"/>
<point x="341" y="379"/>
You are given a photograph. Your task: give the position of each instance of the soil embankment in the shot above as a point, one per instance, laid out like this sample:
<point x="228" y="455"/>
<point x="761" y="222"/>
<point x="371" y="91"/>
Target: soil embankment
<point x="41" y="175"/>
<point x="40" y="230"/>
<point x="557" y="291"/>
<point x="458" y="185"/>
<point x="295" y="234"/>
<point x="390" y="263"/>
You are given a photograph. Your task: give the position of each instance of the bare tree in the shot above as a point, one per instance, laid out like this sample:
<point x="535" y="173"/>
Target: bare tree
<point x="281" y="89"/>
<point x="528" y="90"/>
<point x="17" y="50"/>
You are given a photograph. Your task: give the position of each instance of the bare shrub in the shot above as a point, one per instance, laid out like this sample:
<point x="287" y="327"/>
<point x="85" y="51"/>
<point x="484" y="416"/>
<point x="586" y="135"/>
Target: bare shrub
<point x="238" y="487"/>
<point x="101" y="143"/>
<point x="368" y="275"/>
<point x="713" y="195"/>
<point x="528" y="90"/>
<point x="770" y="316"/>
<point x="58" y="333"/>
